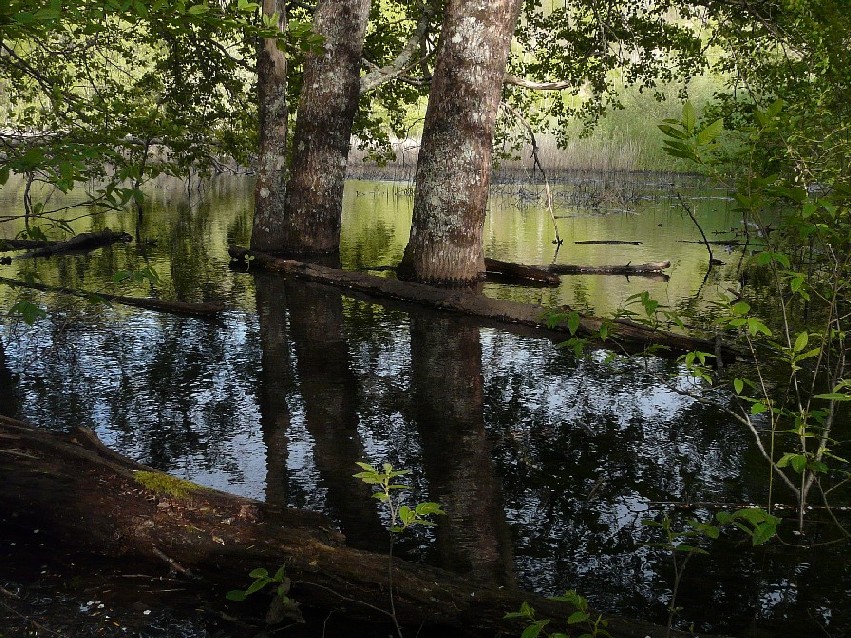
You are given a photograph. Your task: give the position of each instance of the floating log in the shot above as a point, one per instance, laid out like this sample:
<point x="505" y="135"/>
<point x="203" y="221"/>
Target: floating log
<point x="624" y="334"/>
<point x="83" y="241"/>
<point x="520" y="273"/>
<point x="173" y="307"/>
<point x="613" y="242"/>
<point x="653" y="267"/>
<point x="90" y="498"/>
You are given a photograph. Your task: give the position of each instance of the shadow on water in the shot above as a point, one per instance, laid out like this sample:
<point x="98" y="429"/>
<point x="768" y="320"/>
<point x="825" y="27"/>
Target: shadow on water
<point x="457" y="457"/>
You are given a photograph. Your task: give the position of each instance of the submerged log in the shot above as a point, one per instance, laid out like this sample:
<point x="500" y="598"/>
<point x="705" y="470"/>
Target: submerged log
<point x="624" y="334"/>
<point x="172" y="307"/>
<point x="652" y="267"/>
<point x="83" y="241"/>
<point x="520" y="273"/>
<point x="88" y="497"/>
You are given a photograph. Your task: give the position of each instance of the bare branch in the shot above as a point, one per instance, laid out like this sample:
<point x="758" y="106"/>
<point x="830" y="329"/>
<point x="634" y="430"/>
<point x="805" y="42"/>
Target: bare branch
<point x="404" y="61"/>
<point x="538" y="86"/>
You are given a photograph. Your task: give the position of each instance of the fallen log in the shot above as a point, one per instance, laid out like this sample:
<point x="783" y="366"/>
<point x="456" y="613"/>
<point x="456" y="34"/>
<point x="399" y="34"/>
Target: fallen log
<point x="652" y="267"/>
<point x="88" y="497"/>
<point x="83" y="241"/>
<point x="505" y="272"/>
<point x="520" y="273"/>
<point x="160" y="305"/>
<point x="624" y="334"/>
<point x="612" y="242"/>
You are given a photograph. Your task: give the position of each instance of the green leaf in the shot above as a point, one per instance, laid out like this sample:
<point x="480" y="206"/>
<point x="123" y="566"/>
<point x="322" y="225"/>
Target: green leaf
<point x="801" y="341"/>
<point x="738" y="385"/>
<point x="198" y="9"/>
<point x="27" y="311"/>
<point x="534" y="630"/>
<point x="236" y="595"/>
<point x="763" y="533"/>
<point x="577" y="617"/>
<point x="833" y="396"/>
<point x="758" y="408"/>
<point x="256" y="586"/>
<point x="4" y="175"/>
<point x="709" y="133"/>
<point x="689" y="116"/>
<point x="258" y="573"/>
<point x="573" y="322"/>
<point x="741" y="308"/>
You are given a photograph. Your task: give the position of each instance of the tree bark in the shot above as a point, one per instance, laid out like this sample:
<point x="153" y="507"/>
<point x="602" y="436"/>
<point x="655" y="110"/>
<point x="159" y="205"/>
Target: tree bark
<point x="88" y="497"/>
<point x="323" y="129"/>
<point x="623" y="334"/>
<point x="270" y="188"/>
<point x="454" y="165"/>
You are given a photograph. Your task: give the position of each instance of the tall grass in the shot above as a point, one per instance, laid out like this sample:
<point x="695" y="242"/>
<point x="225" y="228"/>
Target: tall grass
<point x="623" y="140"/>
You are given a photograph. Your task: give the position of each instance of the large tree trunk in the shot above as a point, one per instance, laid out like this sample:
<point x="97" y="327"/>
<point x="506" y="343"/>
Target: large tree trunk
<point x="270" y="189"/>
<point x="85" y="496"/>
<point x="454" y="166"/>
<point x="326" y="110"/>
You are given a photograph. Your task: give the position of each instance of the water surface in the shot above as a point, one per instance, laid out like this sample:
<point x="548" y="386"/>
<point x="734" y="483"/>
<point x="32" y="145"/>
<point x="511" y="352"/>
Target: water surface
<point x="547" y="463"/>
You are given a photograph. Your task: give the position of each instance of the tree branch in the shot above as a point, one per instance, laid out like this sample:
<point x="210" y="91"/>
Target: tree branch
<point x="404" y="61"/>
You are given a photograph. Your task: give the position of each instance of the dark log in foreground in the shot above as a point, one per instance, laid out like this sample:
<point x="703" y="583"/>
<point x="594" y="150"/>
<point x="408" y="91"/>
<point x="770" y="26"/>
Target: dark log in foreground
<point x="83" y="241"/>
<point x="652" y="267"/>
<point x="91" y="498"/>
<point x="624" y="334"/>
<point x="172" y="307"/>
<point x="521" y="273"/>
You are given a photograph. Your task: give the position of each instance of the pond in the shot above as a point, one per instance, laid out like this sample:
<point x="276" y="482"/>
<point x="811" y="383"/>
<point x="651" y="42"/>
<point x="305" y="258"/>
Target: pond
<point x="546" y="462"/>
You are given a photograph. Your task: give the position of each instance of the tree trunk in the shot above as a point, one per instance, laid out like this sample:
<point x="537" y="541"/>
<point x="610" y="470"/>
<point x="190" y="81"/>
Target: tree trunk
<point x="454" y="165"/>
<point x="270" y="189"/>
<point x="323" y="129"/>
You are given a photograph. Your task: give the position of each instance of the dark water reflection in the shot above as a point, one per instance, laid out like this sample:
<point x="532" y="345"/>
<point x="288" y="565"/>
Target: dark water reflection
<point x="546" y="463"/>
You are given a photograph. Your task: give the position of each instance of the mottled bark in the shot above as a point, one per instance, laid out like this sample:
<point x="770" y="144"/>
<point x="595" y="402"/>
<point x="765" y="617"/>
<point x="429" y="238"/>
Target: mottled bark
<point x="270" y="189"/>
<point x="446" y="364"/>
<point x="453" y="170"/>
<point x="326" y="110"/>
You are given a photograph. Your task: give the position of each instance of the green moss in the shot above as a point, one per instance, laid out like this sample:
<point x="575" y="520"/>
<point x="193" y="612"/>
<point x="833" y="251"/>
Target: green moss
<point x="165" y="484"/>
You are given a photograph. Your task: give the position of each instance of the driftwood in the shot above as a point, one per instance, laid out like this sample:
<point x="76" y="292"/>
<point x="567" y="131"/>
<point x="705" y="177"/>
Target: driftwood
<point x="159" y="305"/>
<point x="83" y="241"/>
<point x="92" y="499"/>
<point x="653" y="267"/>
<point x="623" y="333"/>
<point x="613" y="242"/>
<point x="520" y="273"/>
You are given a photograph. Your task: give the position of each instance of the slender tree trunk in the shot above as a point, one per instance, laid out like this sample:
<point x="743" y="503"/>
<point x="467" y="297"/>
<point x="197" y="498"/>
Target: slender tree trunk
<point x="270" y="189"/>
<point x="453" y="170"/>
<point x="8" y="399"/>
<point x="326" y="110"/>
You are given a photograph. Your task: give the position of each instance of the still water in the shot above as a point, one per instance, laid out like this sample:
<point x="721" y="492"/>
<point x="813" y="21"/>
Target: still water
<point x="547" y="463"/>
